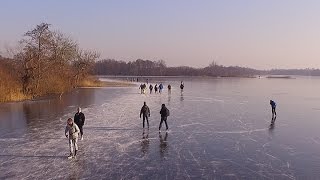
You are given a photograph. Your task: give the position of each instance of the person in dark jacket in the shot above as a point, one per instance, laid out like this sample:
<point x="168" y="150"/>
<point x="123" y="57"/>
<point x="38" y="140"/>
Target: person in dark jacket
<point x="181" y="85"/>
<point x="145" y="111"/>
<point x="141" y="88"/>
<point x="79" y="119"/>
<point x="150" y="88"/>
<point x="169" y="88"/>
<point x="273" y="108"/>
<point x="164" y="114"/>
<point x="156" y="88"/>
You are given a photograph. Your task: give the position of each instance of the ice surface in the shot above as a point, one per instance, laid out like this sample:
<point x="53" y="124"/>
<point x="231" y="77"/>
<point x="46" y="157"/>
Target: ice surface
<point x="219" y="129"/>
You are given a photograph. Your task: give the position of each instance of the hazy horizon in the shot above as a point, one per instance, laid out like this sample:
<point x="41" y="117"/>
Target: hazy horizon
<point x="255" y="34"/>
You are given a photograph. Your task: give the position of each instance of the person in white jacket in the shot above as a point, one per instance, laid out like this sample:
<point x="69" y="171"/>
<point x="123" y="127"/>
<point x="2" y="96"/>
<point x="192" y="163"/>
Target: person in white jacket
<point x="72" y="132"/>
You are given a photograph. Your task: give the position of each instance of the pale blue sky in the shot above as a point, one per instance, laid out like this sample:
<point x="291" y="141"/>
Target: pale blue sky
<point x="253" y="33"/>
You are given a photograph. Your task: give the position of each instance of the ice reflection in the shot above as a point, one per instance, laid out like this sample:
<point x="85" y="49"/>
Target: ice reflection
<point x="163" y="145"/>
<point x="145" y="142"/>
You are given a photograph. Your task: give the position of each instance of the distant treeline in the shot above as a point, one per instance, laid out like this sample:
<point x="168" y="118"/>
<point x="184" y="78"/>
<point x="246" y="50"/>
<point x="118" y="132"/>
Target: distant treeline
<point x="141" y="67"/>
<point x="299" y="72"/>
<point x="46" y="62"/>
<point x="158" y="68"/>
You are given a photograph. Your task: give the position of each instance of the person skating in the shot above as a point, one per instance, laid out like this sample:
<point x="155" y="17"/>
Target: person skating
<point x="181" y="85"/>
<point x="150" y="88"/>
<point x="144" y="88"/>
<point x="72" y="132"/>
<point x="273" y="108"/>
<point x="156" y="88"/>
<point x="145" y="112"/>
<point x="164" y="115"/>
<point x="79" y="119"/>
<point x="141" y="88"/>
<point x="169" y="88"/>
<point x="160" y="88"/>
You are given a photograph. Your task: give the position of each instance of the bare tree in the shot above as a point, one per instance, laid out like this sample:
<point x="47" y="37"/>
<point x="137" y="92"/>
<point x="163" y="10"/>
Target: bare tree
<point x="35" y="52"/>
<point x="84" y="63"/>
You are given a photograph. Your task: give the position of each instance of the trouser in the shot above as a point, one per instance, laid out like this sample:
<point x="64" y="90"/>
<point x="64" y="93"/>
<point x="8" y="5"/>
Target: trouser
<point x="145" y="118"/>
<point x="163" y="119"/>
<point x="274" y="111"/>
<point x="81" y="130"/>
<point x="73" y="144"/>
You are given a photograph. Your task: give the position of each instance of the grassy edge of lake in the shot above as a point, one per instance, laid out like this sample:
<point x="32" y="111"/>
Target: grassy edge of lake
<point x="17" y="95"/>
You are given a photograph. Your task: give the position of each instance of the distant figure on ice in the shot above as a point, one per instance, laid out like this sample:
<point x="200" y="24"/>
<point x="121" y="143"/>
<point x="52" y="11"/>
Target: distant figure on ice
<point x="144" y="88"/>
<point x="150" y="88"/>
<point x="169" y="88"/>
<point x="273" y="108"/>
<point x="79" y="119"/>
<point x="141" y="87"/>
<point x="72" y="132"/>
<point x="181" y="85"/>
<point x="156" y="88"/>
<point x="145" y="112"/>
<point x="164" y="115"/>
<point x="160" y="87"/>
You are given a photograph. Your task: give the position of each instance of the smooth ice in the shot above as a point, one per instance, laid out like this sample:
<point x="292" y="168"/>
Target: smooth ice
<point x="219" y="129"/>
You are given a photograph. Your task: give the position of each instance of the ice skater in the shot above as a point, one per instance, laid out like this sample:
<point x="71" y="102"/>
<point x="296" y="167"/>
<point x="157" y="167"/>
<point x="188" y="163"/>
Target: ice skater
<point x="181" y="86"/>
<point x="156" y="88"/>
<point x="169" y="88"/>
<point x="164" y="115"/>
<point x="79" y="119"/>
<point x="150" y="88"/>
<point x="72" y="132"/>
<point x="273" y="108"/>
<point x="145" y="112"/>
<point x="142" y="88"/>
<point x="160" y="88"/>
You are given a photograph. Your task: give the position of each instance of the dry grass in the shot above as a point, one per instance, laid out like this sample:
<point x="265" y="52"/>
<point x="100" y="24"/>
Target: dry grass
<point x="10" y="88"/>
<point x="13" y="96"/>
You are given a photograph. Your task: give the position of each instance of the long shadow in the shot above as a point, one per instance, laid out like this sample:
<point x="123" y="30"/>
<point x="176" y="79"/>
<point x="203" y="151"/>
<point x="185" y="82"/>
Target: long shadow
<point x="108" y="128"/>
<point x="145" y="142"/>
<point x="273" y="119"/>
<point x="163" y="145"/>
<point x="272" y="125"/>
<point x="28" y="156"/>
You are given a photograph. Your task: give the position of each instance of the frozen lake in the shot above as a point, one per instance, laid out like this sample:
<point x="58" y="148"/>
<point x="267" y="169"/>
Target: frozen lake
<point x="219" y="129"/>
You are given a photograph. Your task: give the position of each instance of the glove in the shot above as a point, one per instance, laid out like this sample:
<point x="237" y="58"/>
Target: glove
<point x="66" y="135"/>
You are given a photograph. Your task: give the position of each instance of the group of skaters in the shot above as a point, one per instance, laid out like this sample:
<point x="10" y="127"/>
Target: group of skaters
<point x="145" y="113"/>
<point x="157" y="88"/>
<point x="74" y="127"/>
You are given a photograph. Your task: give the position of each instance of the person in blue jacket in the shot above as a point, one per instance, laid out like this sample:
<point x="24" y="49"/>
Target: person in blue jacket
<point x="273" y="107"/>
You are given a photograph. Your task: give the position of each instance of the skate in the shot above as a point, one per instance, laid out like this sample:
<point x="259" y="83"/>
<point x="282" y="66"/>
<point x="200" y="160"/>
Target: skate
<point x="70" y="156"/>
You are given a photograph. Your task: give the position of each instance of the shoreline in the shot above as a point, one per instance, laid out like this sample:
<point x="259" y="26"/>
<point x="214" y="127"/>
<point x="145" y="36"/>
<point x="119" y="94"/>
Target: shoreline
<point x="86" y="84"/>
